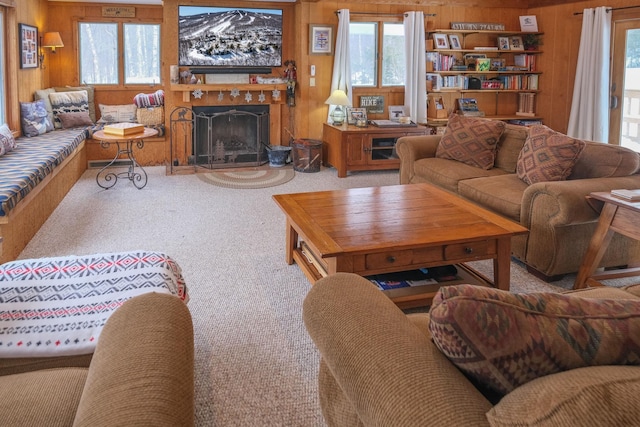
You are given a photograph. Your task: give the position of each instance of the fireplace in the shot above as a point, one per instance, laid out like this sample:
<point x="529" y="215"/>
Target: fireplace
<point x="230" y="136"/>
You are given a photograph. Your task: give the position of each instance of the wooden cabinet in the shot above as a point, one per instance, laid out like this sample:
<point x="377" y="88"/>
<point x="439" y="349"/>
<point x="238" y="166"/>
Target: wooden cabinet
<point x="505" y="82"/>
<point x="351" y="148"/>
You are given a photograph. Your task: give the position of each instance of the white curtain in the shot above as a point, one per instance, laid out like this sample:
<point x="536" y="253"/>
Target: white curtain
<point x="415" y="84"/>
<point x="341" y="77"/>
<point x="589" y="118"/>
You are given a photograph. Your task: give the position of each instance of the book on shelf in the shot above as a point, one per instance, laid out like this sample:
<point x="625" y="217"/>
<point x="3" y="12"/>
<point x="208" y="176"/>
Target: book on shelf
<point x="469" y="107"/>
<point x="123" y="129"/>
<point x="630" y="195"/>
<point x="392" y="124"/>
<point x="420" y="277"/>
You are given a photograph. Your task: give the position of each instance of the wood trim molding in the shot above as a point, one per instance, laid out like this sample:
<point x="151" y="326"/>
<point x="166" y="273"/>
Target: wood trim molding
<point x="8" y="3"/>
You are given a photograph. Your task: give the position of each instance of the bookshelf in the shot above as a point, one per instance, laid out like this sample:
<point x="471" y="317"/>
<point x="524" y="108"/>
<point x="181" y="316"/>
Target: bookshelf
<point x="492" y="67"/>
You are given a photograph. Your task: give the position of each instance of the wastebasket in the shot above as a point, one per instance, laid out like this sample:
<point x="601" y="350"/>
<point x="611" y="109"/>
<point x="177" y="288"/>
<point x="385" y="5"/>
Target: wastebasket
<point x="307" y="155"/>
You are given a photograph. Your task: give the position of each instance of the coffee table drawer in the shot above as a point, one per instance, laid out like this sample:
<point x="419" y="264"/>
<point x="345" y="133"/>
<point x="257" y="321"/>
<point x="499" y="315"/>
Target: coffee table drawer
<point x="403" y="258"/>
<point x="469" y="250"/>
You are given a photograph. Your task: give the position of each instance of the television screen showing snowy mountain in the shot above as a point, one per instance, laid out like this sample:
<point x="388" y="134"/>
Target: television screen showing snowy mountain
<point x="231" y="37"/>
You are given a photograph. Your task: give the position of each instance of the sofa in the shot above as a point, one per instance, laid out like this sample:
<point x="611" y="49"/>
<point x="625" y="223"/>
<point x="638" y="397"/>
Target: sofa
<point x="141" y="373"/>
<point x="558" y="214"/>
<point x="382" y="367"/>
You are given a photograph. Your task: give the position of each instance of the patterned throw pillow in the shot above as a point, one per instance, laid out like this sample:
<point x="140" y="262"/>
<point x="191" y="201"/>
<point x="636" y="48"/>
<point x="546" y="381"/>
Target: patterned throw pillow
<point x="68" y="102"/>
<point x="117" y="113"/>
<point x="504" y="340"/>
<point x="154" y="99"/>
<point x="43" y="94"/>
<point x="35" y="119"/>
<point x="547" y="155"/>
<point x="7" y="141"/>
<point x="90" y="97"/>
<point x="471" y="140"/>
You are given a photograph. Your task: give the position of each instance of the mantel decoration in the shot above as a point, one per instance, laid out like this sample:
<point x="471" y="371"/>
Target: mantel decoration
<point x="28" y="46"/>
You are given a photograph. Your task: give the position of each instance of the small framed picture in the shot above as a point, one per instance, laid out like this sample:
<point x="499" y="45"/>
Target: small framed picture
<point x="320" y="39"/>
<point x="356" y="114"/>
<point x="516" y="43"/>
<point x="454" y="41"/>
<point x="441" y="41"/>
<point x="28" y="46"/>
<point x="497" y="64"/>
<point x="503" y="43"/>
<point x="483" y="64"/>
<point x="397" y="111"/>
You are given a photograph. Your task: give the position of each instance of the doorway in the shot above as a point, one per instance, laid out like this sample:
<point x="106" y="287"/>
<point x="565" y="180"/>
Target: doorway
<point x="624" y="126"/>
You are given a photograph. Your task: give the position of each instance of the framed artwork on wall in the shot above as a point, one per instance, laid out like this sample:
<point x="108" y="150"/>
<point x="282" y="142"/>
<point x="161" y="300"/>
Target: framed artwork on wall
<point x="320" y="39"/>
<point x="28" y="39"/>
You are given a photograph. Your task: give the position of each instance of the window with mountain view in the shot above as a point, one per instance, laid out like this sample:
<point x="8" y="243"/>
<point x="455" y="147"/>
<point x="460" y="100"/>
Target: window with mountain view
<point x="101" y="62"/>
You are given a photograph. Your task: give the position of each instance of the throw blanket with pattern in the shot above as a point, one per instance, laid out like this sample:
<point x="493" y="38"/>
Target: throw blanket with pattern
<point x="58" y="306"/>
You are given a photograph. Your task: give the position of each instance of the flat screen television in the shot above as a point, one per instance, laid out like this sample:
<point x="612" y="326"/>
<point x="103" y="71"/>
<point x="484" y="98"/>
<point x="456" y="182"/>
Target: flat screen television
<point x="229" y="37"/>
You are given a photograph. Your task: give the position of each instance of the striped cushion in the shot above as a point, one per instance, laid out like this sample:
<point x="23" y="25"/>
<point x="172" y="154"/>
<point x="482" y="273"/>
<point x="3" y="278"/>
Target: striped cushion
<point x="32" y="160"/>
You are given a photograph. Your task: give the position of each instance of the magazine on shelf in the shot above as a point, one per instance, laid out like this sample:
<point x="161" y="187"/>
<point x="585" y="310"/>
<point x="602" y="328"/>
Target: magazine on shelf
<point x="411" y="278"/>
<point x="392" y="124"/>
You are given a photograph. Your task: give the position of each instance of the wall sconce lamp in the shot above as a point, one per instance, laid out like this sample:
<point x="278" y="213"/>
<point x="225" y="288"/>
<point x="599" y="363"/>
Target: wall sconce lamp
<point x="51" y="40"/>
<point x="338" y="98"/>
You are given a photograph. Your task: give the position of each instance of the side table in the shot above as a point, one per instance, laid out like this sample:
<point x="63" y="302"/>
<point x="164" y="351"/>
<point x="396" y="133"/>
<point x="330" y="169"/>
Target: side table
<point x="617" y="215"/>
<point x="125" y="144"/>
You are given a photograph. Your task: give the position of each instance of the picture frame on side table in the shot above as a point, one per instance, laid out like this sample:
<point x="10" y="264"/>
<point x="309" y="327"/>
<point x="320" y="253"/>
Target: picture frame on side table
<point x="356" y="113"/>
<point x="28" y="36"/>
<point x="397" y="111"/>
<point x="440" y="40"/>
<point x="320" y="39"/>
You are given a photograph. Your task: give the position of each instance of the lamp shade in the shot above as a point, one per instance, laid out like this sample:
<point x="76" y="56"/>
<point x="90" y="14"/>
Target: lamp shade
<point x="338" y="97"/>
<point x="52" y="40"/>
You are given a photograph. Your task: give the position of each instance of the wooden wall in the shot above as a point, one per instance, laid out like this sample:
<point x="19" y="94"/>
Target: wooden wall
<point x="561" y="39"/>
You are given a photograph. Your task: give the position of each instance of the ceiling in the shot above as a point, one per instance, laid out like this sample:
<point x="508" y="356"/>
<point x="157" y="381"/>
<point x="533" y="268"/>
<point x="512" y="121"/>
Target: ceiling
<point x="135" y="2"/>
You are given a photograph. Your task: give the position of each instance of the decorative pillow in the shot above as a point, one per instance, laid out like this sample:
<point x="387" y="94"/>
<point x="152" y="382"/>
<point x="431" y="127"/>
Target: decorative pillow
<point x="7" y="141"/>
<point x="150" y="116"/>
<point x="90" y="97"/>
<point x="547" y="155"/>
<point x="43" y="94"/>
<point x="471" y="140"/>
<point x="503" y="340"/>
<point x="72" y="120"/>
<point x="35" y="119"/>
<point x="149" y="99"/>
<point x="68" y="102"/>
<point x="117" y="113"/>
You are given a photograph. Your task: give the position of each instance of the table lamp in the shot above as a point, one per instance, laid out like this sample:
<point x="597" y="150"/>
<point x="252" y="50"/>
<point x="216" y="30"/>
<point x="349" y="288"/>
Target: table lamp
<point x="339" y="99"/>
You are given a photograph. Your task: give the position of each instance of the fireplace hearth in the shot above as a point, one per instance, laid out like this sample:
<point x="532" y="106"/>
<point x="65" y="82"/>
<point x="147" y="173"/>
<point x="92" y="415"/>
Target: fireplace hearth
<point x="230" y="136"/>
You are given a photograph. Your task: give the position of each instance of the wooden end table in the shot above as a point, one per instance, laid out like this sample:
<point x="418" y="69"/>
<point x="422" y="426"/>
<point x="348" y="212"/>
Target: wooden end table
<point x="617" y="215"/>
<point x="107" y="179"/>
<point x="395" y="228"/>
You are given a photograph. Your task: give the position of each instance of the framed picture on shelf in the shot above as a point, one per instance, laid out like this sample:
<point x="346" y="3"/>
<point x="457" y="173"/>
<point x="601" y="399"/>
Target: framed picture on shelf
<point x="483" y="64"/>
<point x="497" y="64"/>
<point x="440" y="40"/>
<point x="28" y="46"/>
<point x="503" y="43"/>
<point x="516" y="43"/>
<point x="454" y="41"/>
<point x="356" y="113"/>
<point x="320" y="39"/>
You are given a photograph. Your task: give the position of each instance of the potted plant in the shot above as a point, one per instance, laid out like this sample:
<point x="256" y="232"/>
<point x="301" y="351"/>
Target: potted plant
<point x="531" y="41"/>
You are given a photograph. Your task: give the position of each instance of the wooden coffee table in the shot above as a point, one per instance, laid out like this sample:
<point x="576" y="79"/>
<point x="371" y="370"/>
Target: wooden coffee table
<point x="395" y="228"/>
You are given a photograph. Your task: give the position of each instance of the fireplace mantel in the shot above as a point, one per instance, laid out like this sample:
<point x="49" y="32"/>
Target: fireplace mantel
<point x="188" y="89"/>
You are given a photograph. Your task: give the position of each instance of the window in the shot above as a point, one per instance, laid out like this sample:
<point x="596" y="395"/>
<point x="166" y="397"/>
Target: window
<point x="100" y="56"/>
<point x="369" y="64"/>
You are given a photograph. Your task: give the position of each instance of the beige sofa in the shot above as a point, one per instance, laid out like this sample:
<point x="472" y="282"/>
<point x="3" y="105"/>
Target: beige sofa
<point x="559" y="218"/>
<point x="380" y="367"/>
<point x="141" y="373"/>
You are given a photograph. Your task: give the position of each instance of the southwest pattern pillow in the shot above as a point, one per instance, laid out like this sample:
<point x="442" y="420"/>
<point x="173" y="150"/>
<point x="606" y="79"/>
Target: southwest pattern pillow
<point x="503" y="340"/>
<point x="35" y="118"/>
<point x="547" y="155"/>
<point x="68" y="102"/>
<point x="472" y="141"/>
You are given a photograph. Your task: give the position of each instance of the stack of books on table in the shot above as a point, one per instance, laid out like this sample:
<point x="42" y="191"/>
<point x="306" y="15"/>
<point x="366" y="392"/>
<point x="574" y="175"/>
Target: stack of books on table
<point x="630" y="195"/>
<point x="123" y="129"/>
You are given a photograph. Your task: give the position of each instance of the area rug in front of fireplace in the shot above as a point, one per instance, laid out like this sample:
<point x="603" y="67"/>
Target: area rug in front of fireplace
<point x="258" y="178"/>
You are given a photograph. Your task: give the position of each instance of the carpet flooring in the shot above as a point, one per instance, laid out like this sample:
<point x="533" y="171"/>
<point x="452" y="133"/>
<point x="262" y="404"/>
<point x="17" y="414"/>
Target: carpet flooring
<point x="254" y="362"/>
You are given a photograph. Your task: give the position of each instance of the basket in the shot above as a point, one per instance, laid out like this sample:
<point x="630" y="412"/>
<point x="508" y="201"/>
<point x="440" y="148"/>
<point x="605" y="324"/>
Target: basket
<point x="307" y="155"/>
<point x="150" y="116"/>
